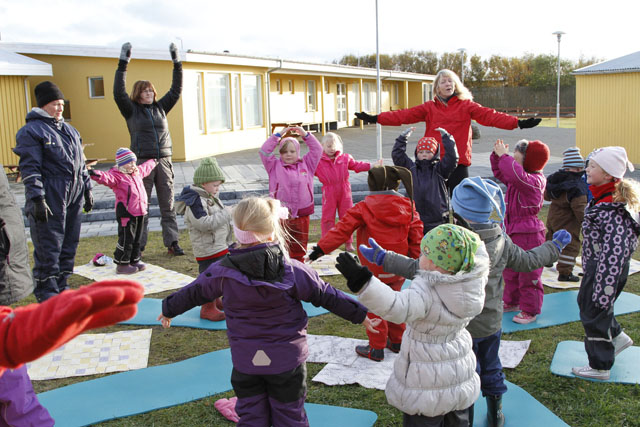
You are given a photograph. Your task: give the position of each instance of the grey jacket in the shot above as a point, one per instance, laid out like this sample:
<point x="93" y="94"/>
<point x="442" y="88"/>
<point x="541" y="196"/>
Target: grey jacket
<point x="15" y="274"/>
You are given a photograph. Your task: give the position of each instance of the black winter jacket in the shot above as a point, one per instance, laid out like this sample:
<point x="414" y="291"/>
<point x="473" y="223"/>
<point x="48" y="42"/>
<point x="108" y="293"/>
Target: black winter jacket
<point x="148" y="126"/>
<point x="429" y="177"/>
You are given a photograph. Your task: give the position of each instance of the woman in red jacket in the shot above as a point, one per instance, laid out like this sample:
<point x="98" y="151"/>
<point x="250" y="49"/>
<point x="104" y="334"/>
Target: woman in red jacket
<point x="451" y="108"/>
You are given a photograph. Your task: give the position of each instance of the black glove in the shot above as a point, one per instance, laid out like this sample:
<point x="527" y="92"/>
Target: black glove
<point x="357" y="275"/>
<point x="92" y="172"/>
<point x="173" y="49"/>
<point x="125" y="53"/>
<point x="367" y="118"/>
<point x="88" y="201"/>
<point x="531" y="122"/>
<point x="40" y="210"/>
<point x="316" y="253"/>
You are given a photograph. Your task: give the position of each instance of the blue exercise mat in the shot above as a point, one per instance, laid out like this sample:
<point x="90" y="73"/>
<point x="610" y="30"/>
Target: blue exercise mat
<point x="520" y="409"/>
<point x="562" y="307"/>
<point x="135" y="392"/>
<point x="150" y="308"/>
<point x="569" y="354"/>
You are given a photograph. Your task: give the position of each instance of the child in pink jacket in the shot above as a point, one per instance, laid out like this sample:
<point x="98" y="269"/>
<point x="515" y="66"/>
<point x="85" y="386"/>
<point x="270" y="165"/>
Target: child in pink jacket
<point x="131" y="206"/>
<point x="522" y="174"/>
<point x="333" y="173"/>
<point x="291" y="182"/>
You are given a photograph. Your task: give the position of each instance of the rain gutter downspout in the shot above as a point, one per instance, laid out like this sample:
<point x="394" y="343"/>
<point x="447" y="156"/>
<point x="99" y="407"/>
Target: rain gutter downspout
<point x="269" y="71"/>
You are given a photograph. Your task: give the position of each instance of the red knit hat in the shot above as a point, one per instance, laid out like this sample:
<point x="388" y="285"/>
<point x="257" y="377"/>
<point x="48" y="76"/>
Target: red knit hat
<point x="536" y="157"/>
<point x="427" y="143"/>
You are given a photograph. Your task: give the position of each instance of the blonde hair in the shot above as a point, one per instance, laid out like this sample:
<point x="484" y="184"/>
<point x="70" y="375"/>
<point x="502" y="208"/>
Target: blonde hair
<point x="335" y="138"/>
<point x="140" y="86"/>
<point x="628" y="191"/>
<point x="460" y="90"/>
<point x="261" y="216"/>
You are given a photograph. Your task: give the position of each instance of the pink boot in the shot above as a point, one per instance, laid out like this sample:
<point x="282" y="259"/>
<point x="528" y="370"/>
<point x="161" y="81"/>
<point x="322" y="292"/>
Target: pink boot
<point x="209" y="311"/>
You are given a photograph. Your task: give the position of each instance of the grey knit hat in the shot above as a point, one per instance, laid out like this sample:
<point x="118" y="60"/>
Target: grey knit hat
<point x="208" y="171"/>
<point x="571" y="158"/>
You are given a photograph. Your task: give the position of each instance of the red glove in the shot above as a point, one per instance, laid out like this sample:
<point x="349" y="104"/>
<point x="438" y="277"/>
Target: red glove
<point x="30" y="332"/>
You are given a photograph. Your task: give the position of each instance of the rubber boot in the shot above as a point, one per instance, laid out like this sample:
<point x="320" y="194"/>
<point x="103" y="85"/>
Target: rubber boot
<point x="209" y="311"/>
<point x="219" y="303"/>
<point x="495" y="417"/>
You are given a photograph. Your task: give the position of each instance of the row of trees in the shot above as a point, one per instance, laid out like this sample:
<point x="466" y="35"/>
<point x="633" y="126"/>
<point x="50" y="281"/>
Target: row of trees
<point x="535" y="71"/>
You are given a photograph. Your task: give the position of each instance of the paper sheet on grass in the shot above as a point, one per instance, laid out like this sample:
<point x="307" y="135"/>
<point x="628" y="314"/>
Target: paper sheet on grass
<point x="90" y="354"/>
<point x="154" y="279"/>
<point x="550" y="275"/>
<point x="326" y="264"/>
<point x="344" y="366"/>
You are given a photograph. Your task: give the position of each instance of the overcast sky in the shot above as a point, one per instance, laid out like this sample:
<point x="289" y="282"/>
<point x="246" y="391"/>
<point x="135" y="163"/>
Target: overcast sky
<point x="324" y="30"/>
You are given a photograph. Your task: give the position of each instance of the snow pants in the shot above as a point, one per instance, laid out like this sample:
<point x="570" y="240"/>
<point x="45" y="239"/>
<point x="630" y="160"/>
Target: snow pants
<point x="525" y="289"/>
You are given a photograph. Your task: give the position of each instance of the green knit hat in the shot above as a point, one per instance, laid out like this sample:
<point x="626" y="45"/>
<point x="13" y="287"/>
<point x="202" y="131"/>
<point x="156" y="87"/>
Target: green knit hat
<point x="208" y="171"/>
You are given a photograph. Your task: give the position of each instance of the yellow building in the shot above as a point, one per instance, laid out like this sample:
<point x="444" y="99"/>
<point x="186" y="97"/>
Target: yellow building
<point x="228" y="101"/>
<point x="608" y="105"/>
<point x="14" y="98"/>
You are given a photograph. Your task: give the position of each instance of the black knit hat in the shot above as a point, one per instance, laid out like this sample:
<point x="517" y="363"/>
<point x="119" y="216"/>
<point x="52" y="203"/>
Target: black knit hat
<point x="46" y="92"/>
<point x="383" y="178"/>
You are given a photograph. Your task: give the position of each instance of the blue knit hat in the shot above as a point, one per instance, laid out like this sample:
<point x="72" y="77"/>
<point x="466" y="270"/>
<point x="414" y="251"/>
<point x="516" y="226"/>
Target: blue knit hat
<point x="476" y="198"/>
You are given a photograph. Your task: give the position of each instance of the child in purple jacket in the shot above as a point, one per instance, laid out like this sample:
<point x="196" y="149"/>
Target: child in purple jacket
<point x="131" y="206"/>
<point x="522" y="174"/>
<point x="267" y="325"/>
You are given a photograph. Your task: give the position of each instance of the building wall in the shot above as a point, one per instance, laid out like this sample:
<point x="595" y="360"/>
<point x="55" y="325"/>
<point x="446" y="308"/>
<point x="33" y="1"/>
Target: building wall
<point x="13" y="109"/>
<point x="607" y="112"/>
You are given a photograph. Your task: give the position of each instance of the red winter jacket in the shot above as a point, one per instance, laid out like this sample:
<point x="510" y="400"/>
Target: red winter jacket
<point x="455" y="117"/>
<point x="387" y="217"/>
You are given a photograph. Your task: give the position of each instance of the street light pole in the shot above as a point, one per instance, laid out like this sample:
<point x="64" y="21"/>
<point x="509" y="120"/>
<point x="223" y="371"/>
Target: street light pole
<point x="462" y="51"/>
<point x="559" y="34"/>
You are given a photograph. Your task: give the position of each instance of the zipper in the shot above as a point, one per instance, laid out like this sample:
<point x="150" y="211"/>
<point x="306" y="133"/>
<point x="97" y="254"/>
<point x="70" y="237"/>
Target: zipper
<point x="153" y="125"/>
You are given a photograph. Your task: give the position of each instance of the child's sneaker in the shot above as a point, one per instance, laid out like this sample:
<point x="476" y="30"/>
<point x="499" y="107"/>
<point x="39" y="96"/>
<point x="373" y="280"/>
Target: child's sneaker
<point x="371" y="353"/>
<point x="209" y="311"/>
<point x="126" y="269"/>
<point x="393" y="346"/>
<point x="568" y="278"/>
<point x="524" y="318"/>
<point x="509" y="308"/>
<point x="139" y="265"/>
<point x="589" y="372"/>
<point x="621" y="342"/>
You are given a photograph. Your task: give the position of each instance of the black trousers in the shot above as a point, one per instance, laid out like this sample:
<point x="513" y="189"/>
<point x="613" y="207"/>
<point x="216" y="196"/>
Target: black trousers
<point x="459" y="173"/>
<point x="463" y="418"/>
<point x="129" y="235"/>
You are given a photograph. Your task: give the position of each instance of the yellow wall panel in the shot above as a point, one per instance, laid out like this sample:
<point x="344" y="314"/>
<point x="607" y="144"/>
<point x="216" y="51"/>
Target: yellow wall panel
<point x="608" y="112"/>
<point x="13" y="110"/>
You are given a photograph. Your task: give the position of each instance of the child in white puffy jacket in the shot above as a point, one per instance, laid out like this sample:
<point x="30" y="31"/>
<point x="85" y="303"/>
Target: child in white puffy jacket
<point x="434" y="381"/>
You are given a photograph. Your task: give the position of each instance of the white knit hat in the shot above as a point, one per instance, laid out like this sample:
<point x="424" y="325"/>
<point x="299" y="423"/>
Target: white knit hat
<point x="613" y="160"/>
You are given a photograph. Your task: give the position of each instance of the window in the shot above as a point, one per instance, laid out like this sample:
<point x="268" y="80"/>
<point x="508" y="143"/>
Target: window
<point x="217" y="101"/>
<point x="291" y="86"/>
<point x="237" y="102"/>
<point x="370" y="97"/>
<point x="426" y="91"/>
<point x="199" y="96"/>
<point x="396" y="94"/>
<point x="278" y="88"/>
<point x="252" y="99"/>
<point x="96" y="87"/>
<point x="327" y="87"/>
<point x="311" y="95"/>
<point x="66" y="114"/>
<point x="356" y="94"/>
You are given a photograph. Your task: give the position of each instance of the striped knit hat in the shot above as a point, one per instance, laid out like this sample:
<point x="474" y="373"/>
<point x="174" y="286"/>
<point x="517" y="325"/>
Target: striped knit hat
<point x="124" y="156"/>
<point x="571" y="158"/>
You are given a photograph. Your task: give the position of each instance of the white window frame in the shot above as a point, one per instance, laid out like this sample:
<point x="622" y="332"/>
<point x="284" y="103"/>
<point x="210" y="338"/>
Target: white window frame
<point x="215" y="109"/>
<point x="246" y="98"/>
<point x="427" y="93"/>
<point x="91" y="88"/>
<point x="236" y="100"/>
<point x="312" y="96"/>
<point x="202" y="127"/>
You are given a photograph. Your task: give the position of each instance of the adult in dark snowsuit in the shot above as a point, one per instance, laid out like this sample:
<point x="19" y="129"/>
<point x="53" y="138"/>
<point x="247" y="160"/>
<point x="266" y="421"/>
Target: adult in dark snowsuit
<point x="56" y="185"/>
<point x="146" y="118"/>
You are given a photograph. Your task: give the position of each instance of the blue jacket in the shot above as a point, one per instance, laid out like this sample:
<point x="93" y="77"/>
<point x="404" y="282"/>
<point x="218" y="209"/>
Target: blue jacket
<point x="429" y="179"/>
<point x="50" y="154"/>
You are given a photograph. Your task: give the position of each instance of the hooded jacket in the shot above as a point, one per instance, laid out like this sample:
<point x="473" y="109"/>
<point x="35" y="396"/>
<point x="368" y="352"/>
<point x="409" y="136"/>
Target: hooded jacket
<point x="568" y="195"/>
<point x="388" y="217"/>
<point x="262" y="290"/>
<point x="524" y="197"/>
<point x="455" y="116"/>
<point x="435" y="372"/>
<point x="208" y="222"/>
<point x="128" y="188"/>
<point x="51" y="155"/>
<point x="429" y="179"/>
<point x="147" y="123"/>
<point x="292" y="184"/>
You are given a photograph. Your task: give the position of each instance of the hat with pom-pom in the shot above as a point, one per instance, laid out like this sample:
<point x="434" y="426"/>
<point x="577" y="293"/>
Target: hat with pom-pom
<point x="536" y="157"/>
<point x="208" y="171"/>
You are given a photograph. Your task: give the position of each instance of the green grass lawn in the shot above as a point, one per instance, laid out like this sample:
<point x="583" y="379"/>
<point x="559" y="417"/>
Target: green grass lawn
<point x="576" y="402"/>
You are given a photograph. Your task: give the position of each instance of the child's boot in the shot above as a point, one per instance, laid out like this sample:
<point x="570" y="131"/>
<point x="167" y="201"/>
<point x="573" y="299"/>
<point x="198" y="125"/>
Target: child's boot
<point x="209" y="311"/>
<point x="140" y="266"/>
<point x="219" y="303"/>
<point x="125" y="269"/>
<point x="370" y="353"/>
<point x="495" y="416"/>
<point x="393" y="346"/>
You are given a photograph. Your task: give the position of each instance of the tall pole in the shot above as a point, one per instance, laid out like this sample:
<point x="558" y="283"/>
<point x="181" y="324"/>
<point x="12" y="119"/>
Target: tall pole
<point x="462" y="51"/>
<point x="378" y="89"/>
<point x="559" y="34"/>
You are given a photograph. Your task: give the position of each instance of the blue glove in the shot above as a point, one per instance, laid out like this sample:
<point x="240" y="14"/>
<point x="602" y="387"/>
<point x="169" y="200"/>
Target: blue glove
<point x="375" y="253"/>
<point x="561" y="238"/>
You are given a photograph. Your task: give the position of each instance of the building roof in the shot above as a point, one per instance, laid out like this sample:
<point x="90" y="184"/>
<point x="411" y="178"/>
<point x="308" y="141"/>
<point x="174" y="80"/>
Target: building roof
<point x="624" y="64"/>
<point x="272" y="64"/>
<point x="12" y="64"/>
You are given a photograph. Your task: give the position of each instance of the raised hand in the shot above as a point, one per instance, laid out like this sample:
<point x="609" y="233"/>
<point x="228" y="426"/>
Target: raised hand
<point x="125" y="53"/>
<point x="173" y="50"/>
